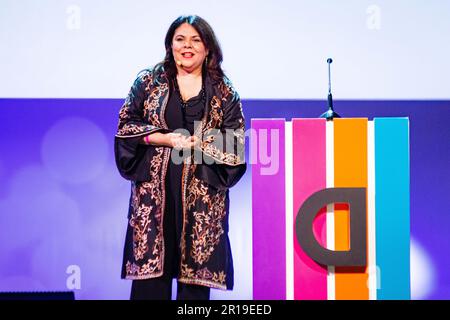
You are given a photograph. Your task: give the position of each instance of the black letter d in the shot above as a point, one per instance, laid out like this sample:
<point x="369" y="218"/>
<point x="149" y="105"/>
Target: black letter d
<point x="356" y="198"/>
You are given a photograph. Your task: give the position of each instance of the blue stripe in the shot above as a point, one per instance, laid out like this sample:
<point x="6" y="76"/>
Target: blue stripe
<point x="392" y="207"/>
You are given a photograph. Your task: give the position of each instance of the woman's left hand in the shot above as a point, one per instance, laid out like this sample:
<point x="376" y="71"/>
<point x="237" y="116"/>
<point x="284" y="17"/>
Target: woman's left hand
<point x="188" y="142"/>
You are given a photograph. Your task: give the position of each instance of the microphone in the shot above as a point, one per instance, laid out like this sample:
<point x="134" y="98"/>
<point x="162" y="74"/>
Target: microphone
<point x="330" y="114"/>
<point x="329" y="61"/>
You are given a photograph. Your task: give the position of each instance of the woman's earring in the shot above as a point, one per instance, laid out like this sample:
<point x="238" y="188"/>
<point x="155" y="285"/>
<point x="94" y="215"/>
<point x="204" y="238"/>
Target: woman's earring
<point x="206" y="60"/>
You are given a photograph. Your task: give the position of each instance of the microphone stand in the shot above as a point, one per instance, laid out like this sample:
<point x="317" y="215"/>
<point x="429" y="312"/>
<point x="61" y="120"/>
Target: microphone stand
<point x="330" y="114"/>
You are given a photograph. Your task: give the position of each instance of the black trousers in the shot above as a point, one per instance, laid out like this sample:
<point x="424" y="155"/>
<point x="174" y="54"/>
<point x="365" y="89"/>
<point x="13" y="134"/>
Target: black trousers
<point x="161" y="288"/>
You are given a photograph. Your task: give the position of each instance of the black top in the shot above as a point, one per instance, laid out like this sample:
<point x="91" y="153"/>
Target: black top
<point x="180" y="115"/>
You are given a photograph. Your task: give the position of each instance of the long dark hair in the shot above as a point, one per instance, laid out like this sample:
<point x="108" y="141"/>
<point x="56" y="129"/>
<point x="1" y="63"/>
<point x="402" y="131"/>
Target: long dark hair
<point x="214" y="58"/>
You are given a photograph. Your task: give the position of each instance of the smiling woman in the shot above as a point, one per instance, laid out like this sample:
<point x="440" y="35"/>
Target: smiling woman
<point x="188" y="49"/>
<point x="189" y="53"/>
<point x="178" y="211"/>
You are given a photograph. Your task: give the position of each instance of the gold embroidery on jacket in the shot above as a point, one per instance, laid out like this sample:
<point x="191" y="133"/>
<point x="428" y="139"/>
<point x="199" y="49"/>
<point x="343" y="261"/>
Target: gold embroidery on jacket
<point x="196" y="190"/>
<point x="152" y="103"/>
<point x="134" y="129"/>
<point x="217" y="151"/>
<point x="208" y="225"/>
<point x="208" y="229"/>
<point x="203" y="277"/>
<point x="125" y="128"/>
<point x="225" y="90"/>
<point x="140" y="220"/>
<point x="216" y="114"/>
<point x="124" y="111"/>
<point x="220" y="156"/>
<point x="184" y="178"/>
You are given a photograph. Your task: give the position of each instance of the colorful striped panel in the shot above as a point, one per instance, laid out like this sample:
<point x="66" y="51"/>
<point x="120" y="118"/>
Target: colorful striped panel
<point x="392" y="207"/>
<point x="268" y="209"/>
<point x="371" y="225"/>
<point x="309" y="176"/>
<point x="350" y="170"/>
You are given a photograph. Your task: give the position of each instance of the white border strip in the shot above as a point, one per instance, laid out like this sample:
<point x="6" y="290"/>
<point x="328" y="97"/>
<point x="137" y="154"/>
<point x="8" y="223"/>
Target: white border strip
<point x="289" y="211"/>
<point x="372" y="270"/>
<point x="331" y="283"/>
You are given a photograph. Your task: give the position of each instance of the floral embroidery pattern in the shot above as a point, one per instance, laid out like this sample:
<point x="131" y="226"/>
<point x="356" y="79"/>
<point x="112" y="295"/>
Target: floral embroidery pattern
<point x="124" y="111"/>
<point x="134" y="129"/>
<point x="184" y="178"/>
<point x="152" y="103"/>
<point x="208" y="229"/>
<point x="216" y="150"/>
<point x="203" y="277"/>
<point x="140" y="221"/>
<point x="226" y="89"/>
<point x="147" y="270"/>
<point x="216" y="114"/>
<point x="153" y="266"/>
<point x="197" y="189"/>
<point x="208" y="225"/>
<point x="220" y="156"/>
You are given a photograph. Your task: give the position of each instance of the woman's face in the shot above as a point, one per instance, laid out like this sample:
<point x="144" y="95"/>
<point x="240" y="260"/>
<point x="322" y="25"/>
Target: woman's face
<point x="188" y="48"/>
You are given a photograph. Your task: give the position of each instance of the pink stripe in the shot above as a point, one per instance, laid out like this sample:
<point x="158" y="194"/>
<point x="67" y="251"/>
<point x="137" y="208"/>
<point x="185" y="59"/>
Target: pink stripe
<point x="309" y="162"/>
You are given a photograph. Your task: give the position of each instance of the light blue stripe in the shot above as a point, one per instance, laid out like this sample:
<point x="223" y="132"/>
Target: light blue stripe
<point x="392" y="207"/>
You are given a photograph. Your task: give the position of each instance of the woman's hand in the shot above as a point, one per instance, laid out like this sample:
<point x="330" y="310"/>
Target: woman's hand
<point x="171" y="140"/>
<point x="183" y="142"/>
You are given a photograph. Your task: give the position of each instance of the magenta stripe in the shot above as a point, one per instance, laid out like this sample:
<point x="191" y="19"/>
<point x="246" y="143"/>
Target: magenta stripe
<point x="309" y="176"/>
<point x="268" y="212"/>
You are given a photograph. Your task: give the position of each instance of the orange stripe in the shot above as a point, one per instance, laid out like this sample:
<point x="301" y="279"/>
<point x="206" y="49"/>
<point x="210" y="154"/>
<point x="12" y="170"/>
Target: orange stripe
<point x="350" y="170"/>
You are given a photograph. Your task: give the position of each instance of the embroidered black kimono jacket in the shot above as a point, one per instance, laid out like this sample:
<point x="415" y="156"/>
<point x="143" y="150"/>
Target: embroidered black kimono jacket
<point x="204" y="245"/>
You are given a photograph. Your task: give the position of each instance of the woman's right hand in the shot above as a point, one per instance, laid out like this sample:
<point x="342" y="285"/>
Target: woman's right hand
<point x="171" y="140"/>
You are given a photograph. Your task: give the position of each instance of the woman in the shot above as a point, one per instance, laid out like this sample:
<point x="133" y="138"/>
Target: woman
<point x="180" y="141"/>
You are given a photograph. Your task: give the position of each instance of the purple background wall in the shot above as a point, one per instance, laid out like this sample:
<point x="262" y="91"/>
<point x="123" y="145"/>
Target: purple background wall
<point x="62" y="202"/>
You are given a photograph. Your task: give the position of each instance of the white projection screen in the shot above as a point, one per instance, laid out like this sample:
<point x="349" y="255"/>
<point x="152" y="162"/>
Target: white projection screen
<point x="272" y="49"/>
